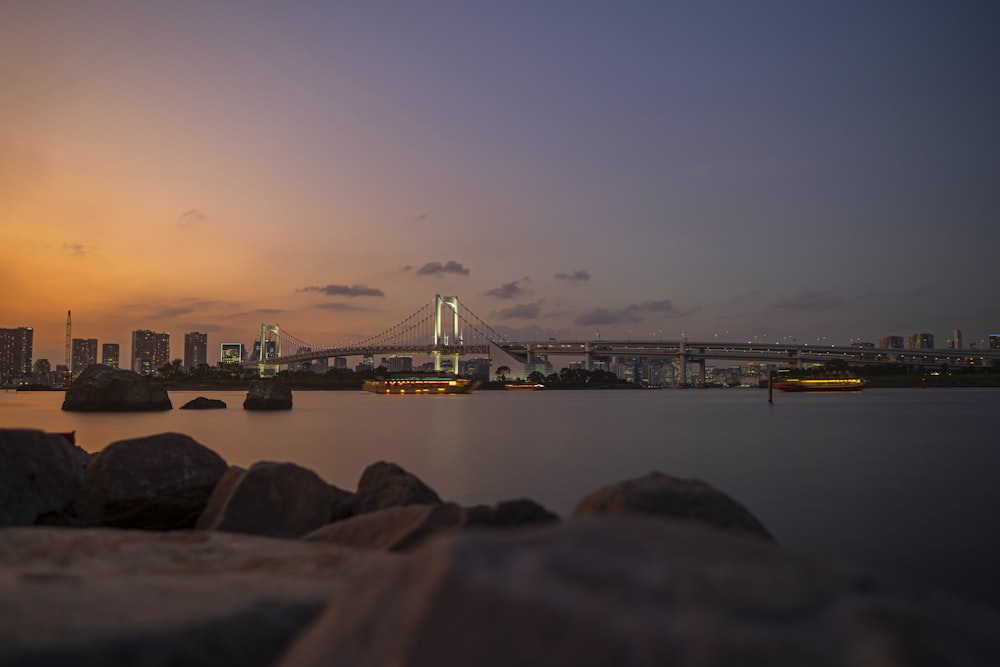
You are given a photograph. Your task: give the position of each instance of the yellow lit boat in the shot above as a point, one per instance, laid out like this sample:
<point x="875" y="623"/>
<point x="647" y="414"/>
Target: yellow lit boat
<point x="521" y="386"/>
<point x="820" y="384"/>
<point x="420" y="385"/>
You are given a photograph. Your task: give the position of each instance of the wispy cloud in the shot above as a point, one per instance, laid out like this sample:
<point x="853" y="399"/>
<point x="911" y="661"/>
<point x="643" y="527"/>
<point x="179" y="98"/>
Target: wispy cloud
<point x="434" y="268"/>
<point x="508" y="290"/>
<point x="809" y="301"/>
<point x="336" y="306"/>
<point x="578" y="276"/>
<point x="523" y="311"/>
<point x="740" y="298"/>
<point x="79" y="249"/>
<point x="191" y="217"/>
<point x="345" y="290"/>
<point x="632" y="313"/>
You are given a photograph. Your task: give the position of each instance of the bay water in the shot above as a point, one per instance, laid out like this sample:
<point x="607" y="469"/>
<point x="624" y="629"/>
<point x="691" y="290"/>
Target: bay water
<point x="900" y="481"/>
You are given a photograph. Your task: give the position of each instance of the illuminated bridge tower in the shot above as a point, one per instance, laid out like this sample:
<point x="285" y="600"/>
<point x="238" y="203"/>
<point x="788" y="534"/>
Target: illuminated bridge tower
<point x="270" y="349"/>
<point x="442" y="339"/>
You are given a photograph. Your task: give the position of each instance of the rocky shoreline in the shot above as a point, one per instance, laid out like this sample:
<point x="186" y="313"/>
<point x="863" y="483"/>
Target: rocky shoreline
<point x="155" y="551"/>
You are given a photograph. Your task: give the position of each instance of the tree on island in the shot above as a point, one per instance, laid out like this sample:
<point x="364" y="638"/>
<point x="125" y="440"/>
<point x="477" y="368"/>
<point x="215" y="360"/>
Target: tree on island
<point x="502" y="373"/>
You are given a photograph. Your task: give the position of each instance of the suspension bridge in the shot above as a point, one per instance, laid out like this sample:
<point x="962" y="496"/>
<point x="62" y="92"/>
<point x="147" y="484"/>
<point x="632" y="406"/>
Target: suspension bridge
<point x="445" y="329"/>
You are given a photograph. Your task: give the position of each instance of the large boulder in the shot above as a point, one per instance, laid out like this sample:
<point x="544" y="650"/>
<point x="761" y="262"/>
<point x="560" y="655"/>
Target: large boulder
<point x="622" y="590"/>
<point x="385" y="485"/>
<point x="402" y="528"/>
<point x="94" y="597"/>
<point x="41" y="474"/>
<point x="268" y="395"/>
<point x="159" y="482"/>
<point x="273" y="499"/>
<point x="202" y="403"/>
<point x="671" y="497"/>
<point x="102" y="388"/>
<point x="392" y="529"/>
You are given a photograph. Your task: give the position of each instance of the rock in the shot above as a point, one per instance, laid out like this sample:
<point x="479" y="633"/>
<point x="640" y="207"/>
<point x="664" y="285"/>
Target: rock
<point x="509" y="514"/>
<point x="268" y="395"/>
<point x="40" y="477"/>
<point x="101" y="388"/>
<point x="160" y="482"/>
<point x="662" y="495"/>
<point x="96" y="597"/>
<point x="625" y="590"/>
<point x="385" y="485"/>
<point x="392" y="529"/>
<point x="273" y="499"/>
<point x="202" y="403"/>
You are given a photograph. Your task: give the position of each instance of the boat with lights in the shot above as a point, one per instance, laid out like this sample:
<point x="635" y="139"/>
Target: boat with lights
<point x="420" y="384"/>
<point x="818" y="384"/>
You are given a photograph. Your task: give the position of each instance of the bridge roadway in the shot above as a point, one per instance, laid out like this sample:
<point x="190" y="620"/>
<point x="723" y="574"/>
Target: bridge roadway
<point x="695" y="351"/>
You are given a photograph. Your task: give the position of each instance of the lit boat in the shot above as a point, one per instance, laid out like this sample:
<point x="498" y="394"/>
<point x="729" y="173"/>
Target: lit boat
<point x="522" y="386"/>
<point x="420" y="385"/>
<point x="820" y="384"/>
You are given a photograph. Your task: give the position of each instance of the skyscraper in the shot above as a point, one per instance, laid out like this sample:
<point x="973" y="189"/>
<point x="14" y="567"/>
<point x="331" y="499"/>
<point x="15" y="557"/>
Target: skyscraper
<point x="920" y="341"/>
<point x="995" y="341"/>
<point x="956" y="339"/>
<point x="15" y="353"/>
<point x="150" y="351"/>
<point x="84" y="354"/>
<point x="195" y="349"/>
<point x="110" y="355"/>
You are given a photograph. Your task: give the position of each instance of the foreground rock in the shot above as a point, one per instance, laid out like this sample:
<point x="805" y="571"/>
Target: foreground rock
<point x="268" y="395"/>
<point x="161" y="482"/>
<point x="384" y="485"/>
<point x="101" y="388"/>
<point x="274" y="499"/>
<point x="671" y="497"/>
<point x="635" y="591"/>
<point x="40" y="477"/>
<point x="98" y="597"/>
<point x="405" y="527"/>
<point x="202" y="403"/>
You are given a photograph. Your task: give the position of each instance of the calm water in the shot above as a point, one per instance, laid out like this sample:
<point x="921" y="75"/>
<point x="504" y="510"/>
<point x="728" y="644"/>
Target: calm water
<point x="905" y="480"/>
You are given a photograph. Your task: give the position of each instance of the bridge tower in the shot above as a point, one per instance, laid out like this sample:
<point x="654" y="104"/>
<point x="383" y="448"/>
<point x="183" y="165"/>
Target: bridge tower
<point x="268" y="367"/>
<point x="441" y="338"/>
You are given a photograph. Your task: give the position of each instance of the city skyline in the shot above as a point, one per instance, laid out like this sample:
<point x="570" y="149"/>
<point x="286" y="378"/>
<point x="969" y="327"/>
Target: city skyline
<point x="774" y="171"/>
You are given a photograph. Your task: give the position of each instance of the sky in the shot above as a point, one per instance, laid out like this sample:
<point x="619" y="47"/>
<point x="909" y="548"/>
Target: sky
<point x="775" y="171"/>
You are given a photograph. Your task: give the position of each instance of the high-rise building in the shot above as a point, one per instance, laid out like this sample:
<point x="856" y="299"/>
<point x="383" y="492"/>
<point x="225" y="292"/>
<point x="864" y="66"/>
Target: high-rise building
<point x="15" y="353"/>
<point x="84" y="354"/>
<point x="995" y="341"/>
<point x="195" y="349"/>
<point x="956" y="339"/>
<point x="232" y="353"/>
<point x="150" y="351"/>
<point x="110" y="354"/>
<point x="890" y="342"/>
<point x="920" y="341"/>
<point x="340" y="362"/>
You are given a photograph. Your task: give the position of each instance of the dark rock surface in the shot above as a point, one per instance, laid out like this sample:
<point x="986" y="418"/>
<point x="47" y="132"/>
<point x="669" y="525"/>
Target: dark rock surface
<point x="98" y="597"/>
<point x="40" y="476"/>
<point x="509" y="514"/>
<point x="672" y="497"/>
<point x="101" y="388"/>
<point x="160" y="482"/>
<point x="202" y="403"/>
<point x="625" y="590"/>
<point x="268" y="395"/>
<point x="273" y="499"/>
<point x="384" y="485"/>
<point x="392" y="529"/>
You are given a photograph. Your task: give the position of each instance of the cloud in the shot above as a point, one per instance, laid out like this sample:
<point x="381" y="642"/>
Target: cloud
<point x="192" y="216"/>
<point x="508" y="290"/>
<point x="809" y="301"/>
<point x="631" y="313"/>
<point x="433" y="268"/>
<point x="175" y="311"/>
<point x="345" y="290"/>
<point x="739" y="298"/>
<point x="79" y="249"/>
<point x="578" y="276"/>
<point x="336" y="306"/>
<point x="524" y="311"/>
